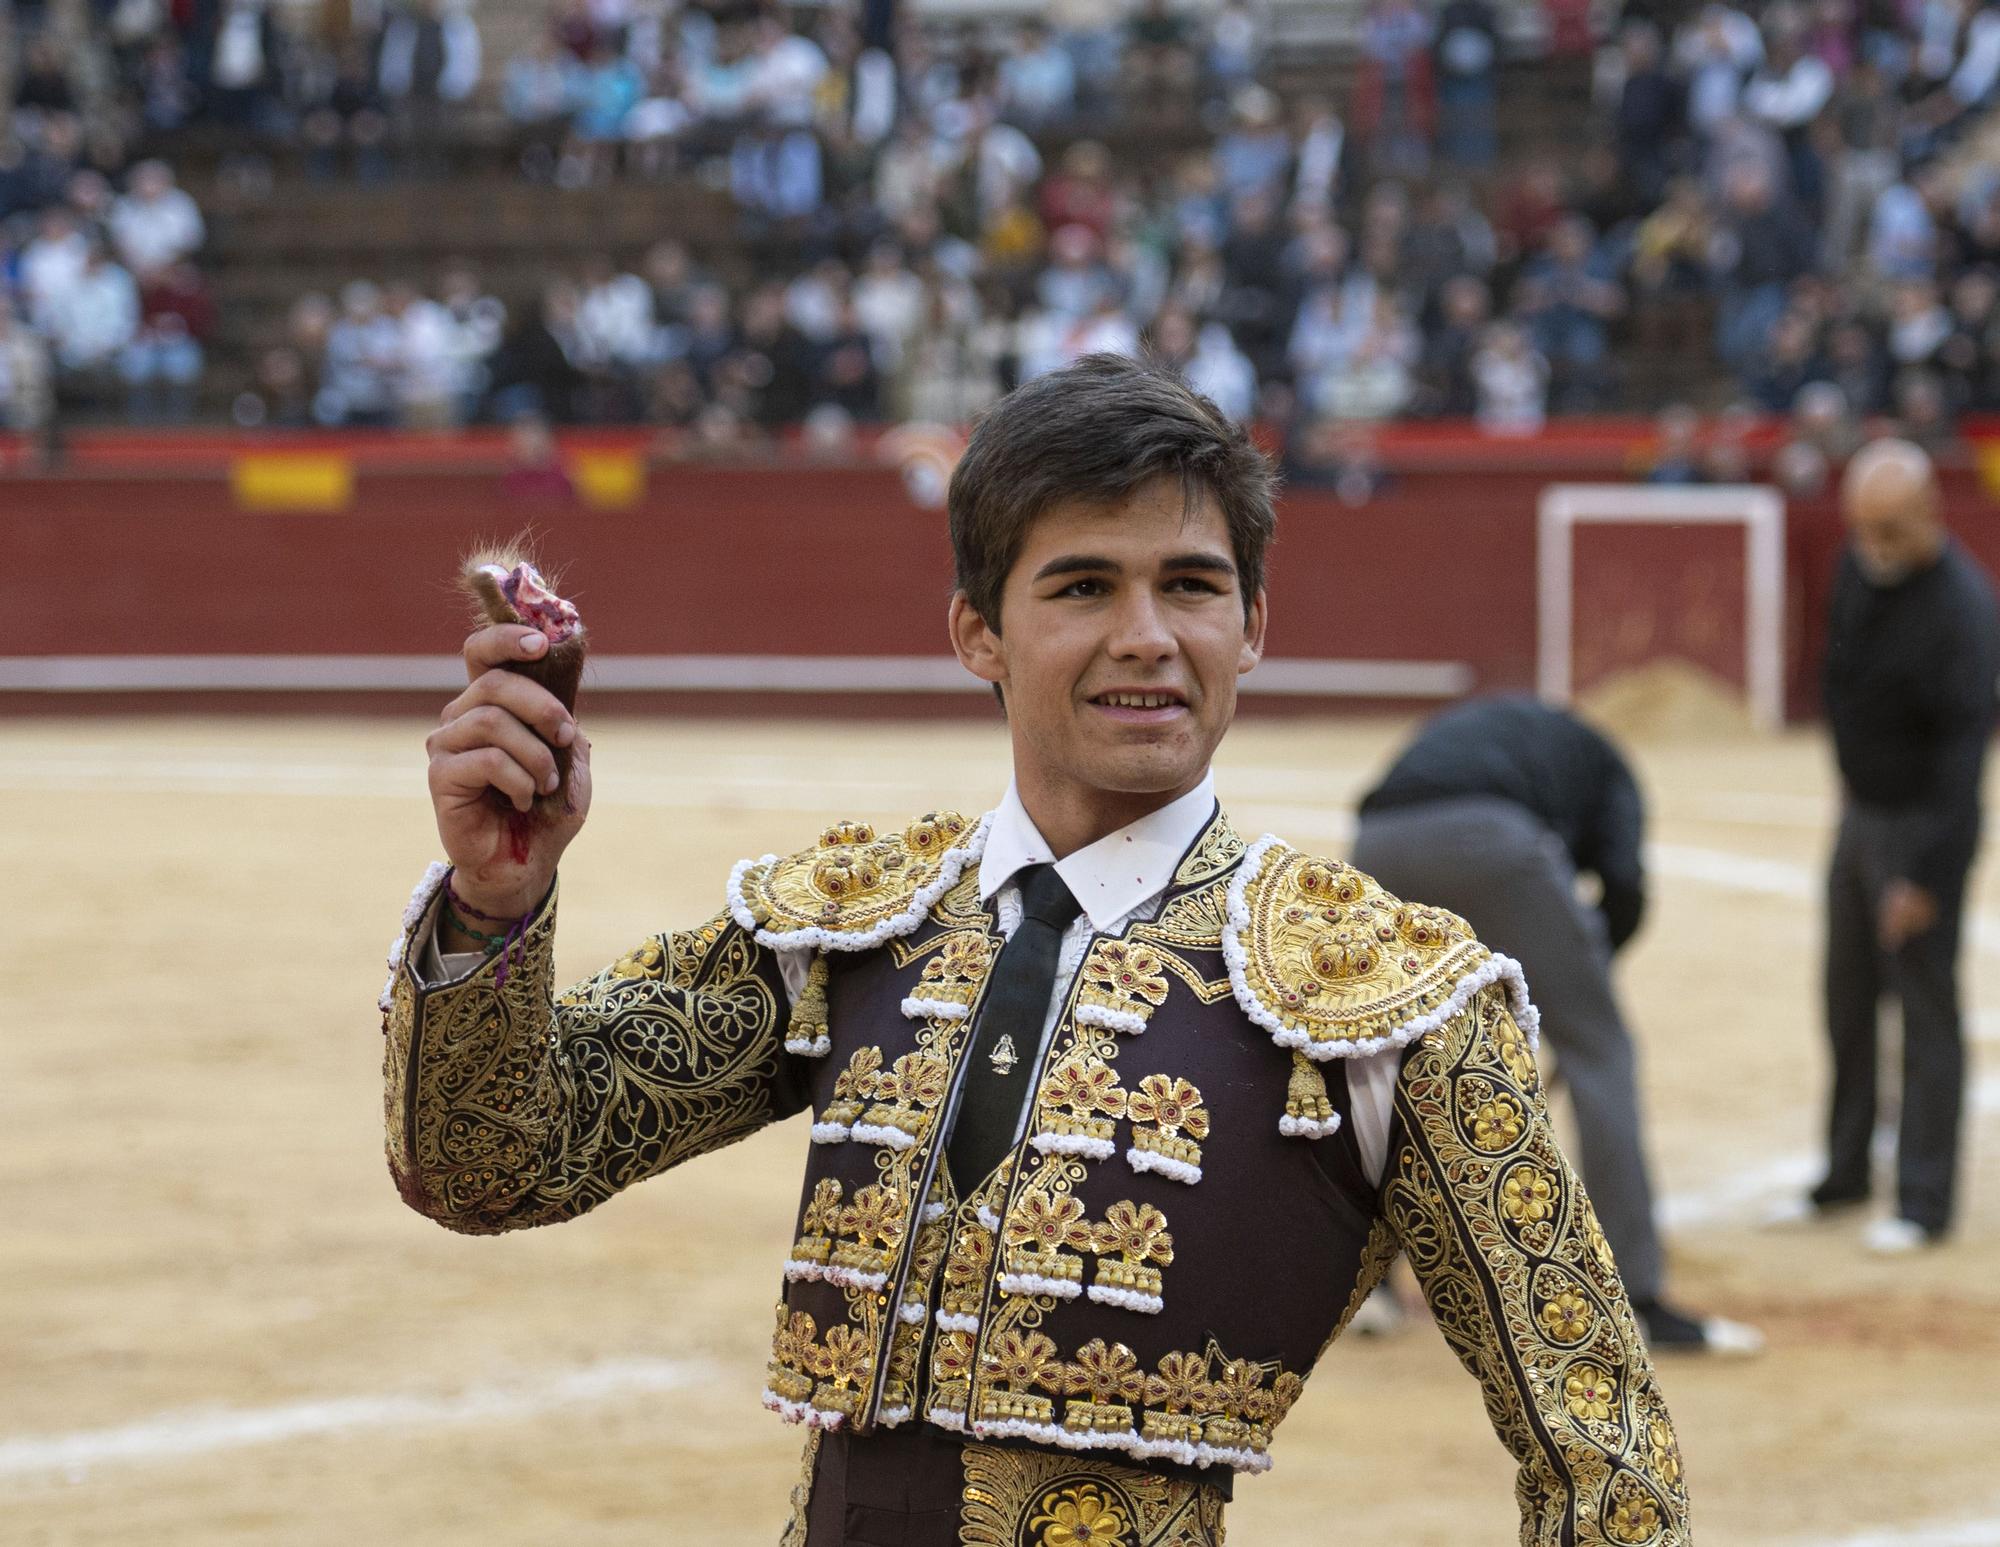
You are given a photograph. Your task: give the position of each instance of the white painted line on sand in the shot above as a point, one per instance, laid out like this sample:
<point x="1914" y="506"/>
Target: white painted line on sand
<point x="1936" y="1533"/>
<point x="206" y="1431"/>
<point x="1743" y="1195"/>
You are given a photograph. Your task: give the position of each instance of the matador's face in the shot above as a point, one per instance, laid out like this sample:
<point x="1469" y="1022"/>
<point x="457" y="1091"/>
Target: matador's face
<point x="1123" y="631"/>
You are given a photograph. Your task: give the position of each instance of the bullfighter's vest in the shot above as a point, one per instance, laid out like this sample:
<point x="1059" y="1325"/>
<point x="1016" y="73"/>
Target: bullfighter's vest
<point x="1182" y="1226"/>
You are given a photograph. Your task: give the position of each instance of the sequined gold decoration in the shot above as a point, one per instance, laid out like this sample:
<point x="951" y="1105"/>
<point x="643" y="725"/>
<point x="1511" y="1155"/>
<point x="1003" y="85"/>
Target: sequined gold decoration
<point x="507" y="1107"/>
<point x="1509" y="1253"/>
<point x="1124" y="978"/>
<point x="1167" y="1118"/>
<point x="1028" y="1498"/>
<point x="801" y="1499"/>
<point x="853" y="880"/>
<point x="1334" y="956"/>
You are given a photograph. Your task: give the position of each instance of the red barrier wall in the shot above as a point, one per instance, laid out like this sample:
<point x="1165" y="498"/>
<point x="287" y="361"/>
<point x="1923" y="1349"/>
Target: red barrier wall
<point x="771" y="560"/>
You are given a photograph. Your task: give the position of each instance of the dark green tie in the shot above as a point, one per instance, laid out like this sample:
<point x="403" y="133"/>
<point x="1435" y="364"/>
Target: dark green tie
<point x="1010" y="1026"/>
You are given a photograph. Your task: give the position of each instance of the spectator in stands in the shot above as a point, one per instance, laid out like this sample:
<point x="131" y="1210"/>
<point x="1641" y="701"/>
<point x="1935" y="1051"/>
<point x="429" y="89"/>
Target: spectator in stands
<point x="1762" y="245"/>
<point x="1569" y="300"/>
<point x="846" y="375"/>
<point x="1676" y="455"/>
<point x="1716" y="53"/>
<point x="1374" y="379"/>
<point x="1447" y="386"/>
<point x="1789" y="90"/>
<point x="1395" y="103"/>
<point x="1650" y="114"/>
<point x="243" y="64"/>
<point x="1319" y="140"/>
<point x="606" y="86"/>
<point x="1090" y="32"/>
<point x="1787" y="364"/>
<point x="891" y="302"/>
<point x="346" y="111"/>
<point x="91" y="322"/>
<point x="428" y="60"/>
<point x="26" y="388"/>
<point x="1080" y="193"/>
<point x="775" y="372"/>
<point x="1233" y="51"/>
<point x="1076" y="280"/>
<point x="949" y="371"/>
<point x="539" y="86"/>
<point x="476" y="322"/>
<point x="161" y="366"/>
<point x="1466" y="65"/>
<point x="360" y="366"/>
<point x="1037" y="79"/>
<point x="1159" y="63"/>
<point x="154" y="225"/>
<point x="615" y="329"/>
<point x="1967" y="359"/>
<point x="1903" y="230"/>
<point x="1255" y="153"/>
<point x="425" y="384"/>
<point x="1512" y="381"/>
<point x="52" y="264"/>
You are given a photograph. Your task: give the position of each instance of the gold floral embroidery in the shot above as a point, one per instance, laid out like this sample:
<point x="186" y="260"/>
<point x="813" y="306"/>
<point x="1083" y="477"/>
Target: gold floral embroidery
<point x="1020" y="1361"/>
<point x="1109" y="1375"/>
<point x="853" y="880"/>
<point x="960" y="966"/>
<point x="1160" y="1110"/>
<point x="820" y="1221"/>
<point x="1081" y="1098"/>
<point x="1081" y="1515"/>
<point x="1508" y="1251"/>
<point x="1039" y="1229"/>
<point x="1123" y="978"/>
<point x="1588" y="1392"/>
<point x="1138" y="1233"/>
<point x="854" y="1086"/>
<point x="1567" y="1317"/>
<point x="1037" y="1498"/>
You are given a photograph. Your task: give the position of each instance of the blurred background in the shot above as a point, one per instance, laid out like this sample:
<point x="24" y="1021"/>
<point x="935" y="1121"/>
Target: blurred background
<point x="1562" y="317"/>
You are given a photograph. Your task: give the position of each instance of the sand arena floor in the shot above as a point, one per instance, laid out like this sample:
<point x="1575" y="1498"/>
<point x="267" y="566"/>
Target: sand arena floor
<point x="220" y="1326"/>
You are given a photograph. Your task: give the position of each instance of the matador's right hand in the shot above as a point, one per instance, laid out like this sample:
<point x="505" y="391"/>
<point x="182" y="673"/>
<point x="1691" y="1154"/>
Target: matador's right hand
<point x="489" y="758"/>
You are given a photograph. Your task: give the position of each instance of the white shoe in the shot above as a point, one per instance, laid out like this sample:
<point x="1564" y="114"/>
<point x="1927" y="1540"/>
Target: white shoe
<point x="1381" y="1315"/>
<point x="1895" y="1237"/>
<point x="1726" y="1339"/>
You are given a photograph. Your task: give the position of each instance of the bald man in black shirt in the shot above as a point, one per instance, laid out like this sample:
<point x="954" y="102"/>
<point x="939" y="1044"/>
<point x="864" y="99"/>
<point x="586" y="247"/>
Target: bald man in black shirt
<point x="1493" y="811"/>
<point x="1913" y="647"/>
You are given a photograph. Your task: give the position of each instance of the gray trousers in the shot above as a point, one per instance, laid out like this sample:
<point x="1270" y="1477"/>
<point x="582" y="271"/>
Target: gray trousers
<point x="1924" y="976"/>
<point x="1507" y="875"/>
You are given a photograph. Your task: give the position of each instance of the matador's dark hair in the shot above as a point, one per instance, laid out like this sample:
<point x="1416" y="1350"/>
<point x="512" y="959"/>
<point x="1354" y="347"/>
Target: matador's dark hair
<point x="1095" y="431"/>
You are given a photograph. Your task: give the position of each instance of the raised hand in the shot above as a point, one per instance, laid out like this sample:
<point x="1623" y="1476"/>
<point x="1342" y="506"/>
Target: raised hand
<point x="490" y="756"/>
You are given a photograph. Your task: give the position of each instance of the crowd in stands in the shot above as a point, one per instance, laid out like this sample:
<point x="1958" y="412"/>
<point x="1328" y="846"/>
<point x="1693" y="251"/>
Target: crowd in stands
<point x="1790" y="191"/>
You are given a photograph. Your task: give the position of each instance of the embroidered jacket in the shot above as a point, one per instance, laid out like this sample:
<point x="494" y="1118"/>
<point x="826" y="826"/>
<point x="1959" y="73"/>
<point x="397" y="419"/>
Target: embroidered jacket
<point x="1183" y="1226"/>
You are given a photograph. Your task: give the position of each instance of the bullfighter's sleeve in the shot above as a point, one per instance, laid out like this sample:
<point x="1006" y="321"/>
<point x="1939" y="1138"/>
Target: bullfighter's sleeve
<point x="1525" y="1290"/>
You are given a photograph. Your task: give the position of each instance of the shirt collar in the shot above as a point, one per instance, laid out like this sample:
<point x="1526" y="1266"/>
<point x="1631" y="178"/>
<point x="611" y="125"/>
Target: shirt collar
<point x="1115" y="874"/>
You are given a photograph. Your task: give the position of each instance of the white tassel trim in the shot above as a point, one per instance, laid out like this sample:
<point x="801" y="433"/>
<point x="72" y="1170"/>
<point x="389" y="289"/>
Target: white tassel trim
<point x="797" y="1271"/>
<point x="946" y="1418"/>
<point x="1131" y="1022"/>
<point x="950" y="867"/>
<point x="989" y="1219"/>
<point x="1494" y="969"/>
<point x="1035" y="1284"/>
<point x="951" y="1321"/>
<point x="1130" y="1299"/>
<point x="889" y="1417"/>
<point x="1173" y="1170"/>
<point x="911" y="1313"/>
<point x="802" y="1412"/>
<point x="933" y="1212"/>
<point x="887" y="1137"/>
<point x="919" y="1009"/>
<point x="818" y="1047"/>
<point x="1129" y="1441"/>
<point x="1073" y="1144"/>
<point x="1309" y="1127"/>
<point x="830" y="1133"/>
<point x="413" y="911"/>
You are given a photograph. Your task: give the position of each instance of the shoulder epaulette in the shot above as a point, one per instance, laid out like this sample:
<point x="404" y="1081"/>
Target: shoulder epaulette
<point x="854" y="889"/>
<point x="1333" y="966"/>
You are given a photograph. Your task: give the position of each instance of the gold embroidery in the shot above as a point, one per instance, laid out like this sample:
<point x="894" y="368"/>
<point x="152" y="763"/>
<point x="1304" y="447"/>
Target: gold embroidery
<point x="1160" y="1109"/>
<point x="853" y="880"/>
<point x="1512" y="1261"/>
<point x="1330" y="953"/>
<point x="1215" y="851"/>
<point x="1123" y="978"/>
<point x="795" y="1530"/>
<point x="1138" y="1233"/>
<point x="1306" y="1100"/>
<point x="1033" y="1498"/>
<point x="507" y="1107"/>
<point x="808" y="1022"/>
<point x="1082" y="1099"/>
